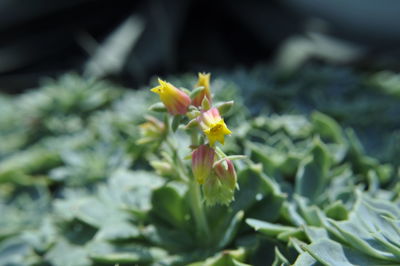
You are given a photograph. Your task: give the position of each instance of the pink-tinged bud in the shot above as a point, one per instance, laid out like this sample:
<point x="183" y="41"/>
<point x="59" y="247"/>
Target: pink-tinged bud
<point x="213" y="126"/>
<point x="219" y="188"/>
<point x="176" y="101"/>
<point x="203" y="81"/>
<point x="202" y="162"/>
<point x="226" y="173"/>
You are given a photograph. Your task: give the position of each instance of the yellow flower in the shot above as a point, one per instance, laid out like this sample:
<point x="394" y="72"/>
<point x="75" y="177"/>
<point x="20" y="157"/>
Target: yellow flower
<point x="176" y="101"/>
<point x="213" y="126"/>
<point x="203" y="81"/>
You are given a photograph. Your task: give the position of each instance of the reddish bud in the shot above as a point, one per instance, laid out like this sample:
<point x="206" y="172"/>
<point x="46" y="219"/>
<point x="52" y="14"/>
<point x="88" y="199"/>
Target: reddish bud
<point x="202" y="162"/>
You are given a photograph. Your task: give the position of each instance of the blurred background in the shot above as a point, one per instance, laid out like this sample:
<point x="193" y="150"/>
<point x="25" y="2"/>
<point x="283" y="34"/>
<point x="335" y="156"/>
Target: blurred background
<point x="310" y="80"/>
<point x="130" y="41"/>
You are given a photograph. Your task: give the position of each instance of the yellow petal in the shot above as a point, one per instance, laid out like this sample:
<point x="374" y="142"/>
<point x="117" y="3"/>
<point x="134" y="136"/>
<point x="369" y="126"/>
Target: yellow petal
<point x="157" y="89"/>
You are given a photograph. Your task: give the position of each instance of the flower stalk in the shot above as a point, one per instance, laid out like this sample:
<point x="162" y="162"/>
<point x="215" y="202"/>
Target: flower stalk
<point x="212" y="177"/>
<point x="198" y="211"/>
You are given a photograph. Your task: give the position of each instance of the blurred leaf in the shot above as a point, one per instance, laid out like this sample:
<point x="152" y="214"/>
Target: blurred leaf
<point x="67" y="254"/>
<point x="230" y="231"/>
<point x="15" y="251"/>
<point x="110" y="57"/>
<point x="327" y="127"/>
<point x="266" y="228"/>
<point x="102" y="252"/>
<point x="226" y="258"/>
<point x="170" y="206"/>
<point x="329" y="252"/>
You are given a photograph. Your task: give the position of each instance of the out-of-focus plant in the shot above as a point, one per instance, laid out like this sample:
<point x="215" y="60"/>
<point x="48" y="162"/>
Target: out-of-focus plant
<point x="101" y="180"/>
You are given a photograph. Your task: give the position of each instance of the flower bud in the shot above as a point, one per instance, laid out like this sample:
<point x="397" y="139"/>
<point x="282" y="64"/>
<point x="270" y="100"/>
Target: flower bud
<point x="202" y="162"/>
<point x="213" y="126"/>
<point x="203" y="81"/>
<point x="162" y="168"/>
<point x="152" y="130"/>
<point x="175" y="100"/>
<point x="226" y="173"/>
<point x="220" y="187"/>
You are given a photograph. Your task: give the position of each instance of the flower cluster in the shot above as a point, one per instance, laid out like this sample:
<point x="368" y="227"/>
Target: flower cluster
<point x="219" y="178"/>
<point x="213" y="170"/>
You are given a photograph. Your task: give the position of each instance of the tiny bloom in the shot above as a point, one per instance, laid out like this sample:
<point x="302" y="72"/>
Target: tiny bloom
<point x="202" y="162"/>
<point x="176" y="101"/>
<point x="213" y="126"/>
<point x="203" y="81"/>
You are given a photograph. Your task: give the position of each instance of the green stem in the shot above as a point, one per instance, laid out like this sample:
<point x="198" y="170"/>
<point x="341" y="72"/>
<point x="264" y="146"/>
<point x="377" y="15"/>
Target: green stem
<point x="198" y="211"/>
<point x="181" y="169"/>
<point x="196" y="201"/>
<point x="194" y="138"/>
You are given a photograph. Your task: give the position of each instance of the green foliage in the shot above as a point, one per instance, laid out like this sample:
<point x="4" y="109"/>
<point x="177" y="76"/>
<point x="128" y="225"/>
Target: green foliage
<point x="77" y="189"/>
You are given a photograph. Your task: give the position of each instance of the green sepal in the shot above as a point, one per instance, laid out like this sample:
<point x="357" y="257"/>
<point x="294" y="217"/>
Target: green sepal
<point x="205" y="104"/>
<point x="158" y="107"/>
<point x="196" y="92"/>
<point x="225" y="107"/>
